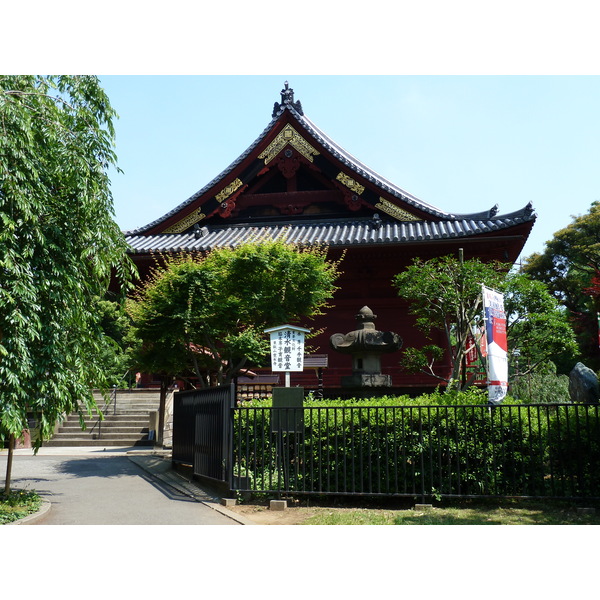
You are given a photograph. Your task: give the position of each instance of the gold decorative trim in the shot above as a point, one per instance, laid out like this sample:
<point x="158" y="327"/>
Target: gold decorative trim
<point x="186" y="222"/>
<point x="395" y="211"/>
<point x="350" y="183"/>
<point x="228" y="190"/>
<point x="288" y="135"/>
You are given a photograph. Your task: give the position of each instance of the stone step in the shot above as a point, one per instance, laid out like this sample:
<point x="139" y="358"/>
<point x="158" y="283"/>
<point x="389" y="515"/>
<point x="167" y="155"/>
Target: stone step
<point x="140" y="424"/>
<point x="127" y="435"/>
<point x="129" y="410"/>
<point x="127" y="426"/>
<point x="128" y="404"/>
<point x="150" y="395"/>
<point x="150" y="401"/>
<point x="74" y="420"/>
<point x="135" y="428"/>
<point x="126" y="408"/>
<point x="53" y="443"/>
<point x="144" y="416"/>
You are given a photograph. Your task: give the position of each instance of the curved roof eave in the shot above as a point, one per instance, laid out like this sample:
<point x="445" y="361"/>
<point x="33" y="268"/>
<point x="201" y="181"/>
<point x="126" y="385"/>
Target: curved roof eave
<point x="344" y="233"/>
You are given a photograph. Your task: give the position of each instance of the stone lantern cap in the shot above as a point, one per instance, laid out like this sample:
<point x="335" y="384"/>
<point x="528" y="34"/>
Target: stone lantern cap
<point x="366" y="339"/>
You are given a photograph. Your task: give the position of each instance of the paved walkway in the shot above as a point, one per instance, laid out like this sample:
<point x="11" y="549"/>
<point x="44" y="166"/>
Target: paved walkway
<point x="114" y="486"/>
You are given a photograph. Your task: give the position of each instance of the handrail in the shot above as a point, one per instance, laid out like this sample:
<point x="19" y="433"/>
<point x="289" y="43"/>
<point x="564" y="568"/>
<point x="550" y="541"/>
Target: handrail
<point x="112" y="400"/>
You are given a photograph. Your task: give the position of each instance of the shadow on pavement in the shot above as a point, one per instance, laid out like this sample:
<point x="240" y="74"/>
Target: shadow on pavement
<point x="117" y="466"/>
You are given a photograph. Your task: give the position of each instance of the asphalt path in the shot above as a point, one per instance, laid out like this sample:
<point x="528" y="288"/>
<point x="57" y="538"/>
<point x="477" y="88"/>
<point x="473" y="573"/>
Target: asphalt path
<point x="100" y="488"/>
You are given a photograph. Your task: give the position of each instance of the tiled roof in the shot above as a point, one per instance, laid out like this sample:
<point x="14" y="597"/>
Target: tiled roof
<point x="342" y="233"/>
<point x="337" y="151"/>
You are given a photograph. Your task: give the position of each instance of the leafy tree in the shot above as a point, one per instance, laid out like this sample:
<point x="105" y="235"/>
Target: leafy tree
<point x="445" y="294"/>
<point x="59" y="247"/>
<point x="538" y="327"/>
<point x="206" y="315"/>
<point x="567" y="266"/>
<point x="118" y="342"/>
<point x="214" y="308"/>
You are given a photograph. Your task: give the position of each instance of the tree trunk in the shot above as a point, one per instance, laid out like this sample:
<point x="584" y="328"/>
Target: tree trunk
<point x="9" y="461"/>
<point x="164" y="386"/>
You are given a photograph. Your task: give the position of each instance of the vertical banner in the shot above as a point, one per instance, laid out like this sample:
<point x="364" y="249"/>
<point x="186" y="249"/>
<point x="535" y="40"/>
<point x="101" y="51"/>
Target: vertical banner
<point x="497" y="347"/>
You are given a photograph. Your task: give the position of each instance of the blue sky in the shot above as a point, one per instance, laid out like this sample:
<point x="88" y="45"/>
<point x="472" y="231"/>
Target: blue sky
<point x="461" y="143"/>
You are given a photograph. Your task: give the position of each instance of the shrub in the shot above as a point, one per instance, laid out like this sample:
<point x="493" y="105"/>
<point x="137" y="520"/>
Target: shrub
<point x="439" y="444"/>
<point x="18" y="505"/>
<point x="543" y="386"/>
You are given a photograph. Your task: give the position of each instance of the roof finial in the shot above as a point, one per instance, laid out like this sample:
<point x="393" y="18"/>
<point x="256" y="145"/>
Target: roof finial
<point x="287" y="99"/>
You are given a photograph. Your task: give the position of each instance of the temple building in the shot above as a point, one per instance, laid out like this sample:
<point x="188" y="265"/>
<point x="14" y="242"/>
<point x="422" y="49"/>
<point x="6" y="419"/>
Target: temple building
<point x="295" y="182"/>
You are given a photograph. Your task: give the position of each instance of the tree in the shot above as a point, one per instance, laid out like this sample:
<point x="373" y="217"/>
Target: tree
<point x="567" y="266"/>
<point x="118" y="342"/>
<point x="59" y="247"/>
<point x="214" y="308"/>
<point x="538" y="327"/>
<point x="206" y="315"/>
<point x="445" y="294"/>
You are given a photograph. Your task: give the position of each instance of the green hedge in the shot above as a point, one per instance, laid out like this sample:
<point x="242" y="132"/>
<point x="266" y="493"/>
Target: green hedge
<point x="435" y="445"/>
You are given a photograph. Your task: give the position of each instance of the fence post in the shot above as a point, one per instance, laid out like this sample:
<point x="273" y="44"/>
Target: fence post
<point x="228" y="407"/>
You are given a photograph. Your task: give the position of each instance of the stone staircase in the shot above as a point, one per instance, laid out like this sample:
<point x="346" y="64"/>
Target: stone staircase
<point x="127" y="425"/>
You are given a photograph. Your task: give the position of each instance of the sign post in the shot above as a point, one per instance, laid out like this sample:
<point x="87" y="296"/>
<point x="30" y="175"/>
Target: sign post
<point x="287" y="414"/>
<point x="287" y="349"/>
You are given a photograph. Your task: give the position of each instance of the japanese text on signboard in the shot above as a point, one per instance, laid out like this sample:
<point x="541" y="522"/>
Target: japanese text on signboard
<point x="287" y="350"/>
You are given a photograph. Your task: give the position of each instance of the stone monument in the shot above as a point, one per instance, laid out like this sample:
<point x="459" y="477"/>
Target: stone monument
<point x="583" y="385"/>
<point x="366" y="345"/>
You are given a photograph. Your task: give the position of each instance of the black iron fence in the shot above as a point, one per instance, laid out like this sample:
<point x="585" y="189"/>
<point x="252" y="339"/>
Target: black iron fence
<point x="202" y="431"/>
<point x="537" y="450"/>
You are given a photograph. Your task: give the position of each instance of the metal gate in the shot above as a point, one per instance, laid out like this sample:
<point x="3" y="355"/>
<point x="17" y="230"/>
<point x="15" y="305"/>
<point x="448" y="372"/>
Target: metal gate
<point x="201" y="431"/>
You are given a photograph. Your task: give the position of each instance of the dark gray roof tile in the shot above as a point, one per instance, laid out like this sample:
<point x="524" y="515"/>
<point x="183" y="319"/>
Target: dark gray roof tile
<point x="342" y="233"/>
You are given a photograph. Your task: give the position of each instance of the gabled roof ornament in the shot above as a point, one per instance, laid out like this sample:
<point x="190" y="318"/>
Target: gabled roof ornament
<point x="287" y="98"/>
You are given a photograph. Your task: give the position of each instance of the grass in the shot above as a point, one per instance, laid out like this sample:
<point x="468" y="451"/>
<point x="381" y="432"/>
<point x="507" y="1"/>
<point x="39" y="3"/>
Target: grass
<point x="500" y="513"/>
<point x="18" y="504"/>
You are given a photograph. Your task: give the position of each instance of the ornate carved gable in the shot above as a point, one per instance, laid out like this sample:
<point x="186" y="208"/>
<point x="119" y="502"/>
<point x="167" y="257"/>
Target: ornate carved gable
<point x="288" y="172"/>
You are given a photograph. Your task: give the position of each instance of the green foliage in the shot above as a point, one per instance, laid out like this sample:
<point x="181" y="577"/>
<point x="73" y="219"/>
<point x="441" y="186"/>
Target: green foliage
<point x="208" y="314"/>
<point x="445" y="295"/>
<point x="18" y="505"/>
<point x="118" y="342"/>
<point x="538" y="328"/>
<point x="543" y="385"/>
<point x="573" y="448"/>
<point x="567" y="266"/>
<point x="59" y="245"/>
<point x="444" y="444"/>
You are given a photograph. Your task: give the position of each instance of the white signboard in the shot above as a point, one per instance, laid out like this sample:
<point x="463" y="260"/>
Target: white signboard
<point x="287" y="348"/>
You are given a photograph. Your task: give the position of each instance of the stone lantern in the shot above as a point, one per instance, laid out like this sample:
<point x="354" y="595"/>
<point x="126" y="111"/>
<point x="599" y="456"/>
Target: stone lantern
<point x="365" y="345"/>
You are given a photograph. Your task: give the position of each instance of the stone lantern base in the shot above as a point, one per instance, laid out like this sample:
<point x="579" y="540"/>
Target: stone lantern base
<point x="366" y="380"/>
